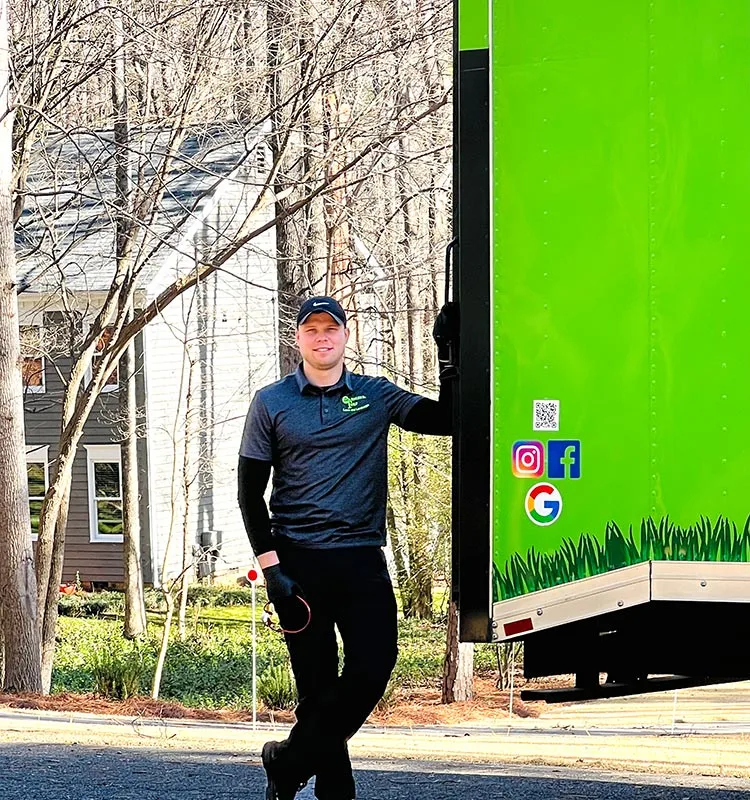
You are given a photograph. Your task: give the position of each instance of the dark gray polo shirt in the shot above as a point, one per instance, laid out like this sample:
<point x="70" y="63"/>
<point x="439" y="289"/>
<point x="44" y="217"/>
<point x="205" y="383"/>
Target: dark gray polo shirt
<point x="328" y="448"/>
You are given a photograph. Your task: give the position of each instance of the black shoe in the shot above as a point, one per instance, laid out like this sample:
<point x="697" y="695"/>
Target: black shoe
<point x="282" y="785"/>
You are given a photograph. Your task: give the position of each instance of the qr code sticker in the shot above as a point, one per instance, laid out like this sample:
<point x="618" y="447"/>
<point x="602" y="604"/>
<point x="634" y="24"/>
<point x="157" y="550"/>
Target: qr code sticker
<point x="546" y="415"/>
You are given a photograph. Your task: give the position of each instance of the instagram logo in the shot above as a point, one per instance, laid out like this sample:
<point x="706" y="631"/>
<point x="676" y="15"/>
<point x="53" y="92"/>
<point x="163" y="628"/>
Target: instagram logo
<point x="528" y="459"/>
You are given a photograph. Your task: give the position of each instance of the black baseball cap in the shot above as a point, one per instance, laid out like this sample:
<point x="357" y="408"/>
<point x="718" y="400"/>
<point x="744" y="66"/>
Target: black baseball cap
<point x="321" y="305"/>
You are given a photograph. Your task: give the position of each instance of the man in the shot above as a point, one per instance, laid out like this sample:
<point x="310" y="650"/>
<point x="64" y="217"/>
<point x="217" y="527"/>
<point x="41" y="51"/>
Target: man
<point x="324" y="432"/>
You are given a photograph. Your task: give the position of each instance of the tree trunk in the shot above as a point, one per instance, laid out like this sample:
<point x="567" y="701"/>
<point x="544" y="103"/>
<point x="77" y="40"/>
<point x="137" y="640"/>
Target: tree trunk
<point x="160" y="661"/>
<point x="420" y="547"/>
<point x="316" y="278"/>
<point x="187" y="479"/>
<point x="414" y="301"/>
<point x="49" y="622"/>
<point x="277" y="21"/>
<point x="134" y="624"/>
<point x="458" y="664"/>
<point x="464" y="689"/>
<point x="18" y="612"/>
<point x="397" y="548"/>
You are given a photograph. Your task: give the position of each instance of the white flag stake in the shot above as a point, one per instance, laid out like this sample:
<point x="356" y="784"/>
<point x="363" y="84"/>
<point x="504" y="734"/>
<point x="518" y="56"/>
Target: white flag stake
<point x="252" y="576"/>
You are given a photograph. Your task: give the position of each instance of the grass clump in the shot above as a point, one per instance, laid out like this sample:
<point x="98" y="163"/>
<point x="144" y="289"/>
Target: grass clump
<point x="276" y="688"/>
<point x="118" y="672"/>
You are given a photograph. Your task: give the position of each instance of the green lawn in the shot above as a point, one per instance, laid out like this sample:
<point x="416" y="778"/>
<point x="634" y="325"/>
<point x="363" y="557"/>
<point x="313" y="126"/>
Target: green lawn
<point x="212" y="667"/>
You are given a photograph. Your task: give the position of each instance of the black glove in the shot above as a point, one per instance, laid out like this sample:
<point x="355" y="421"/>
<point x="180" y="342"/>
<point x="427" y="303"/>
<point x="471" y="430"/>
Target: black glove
<point x="445" y="333"/>
<point x="280" y="588"/>
<point x="283" y="592"/>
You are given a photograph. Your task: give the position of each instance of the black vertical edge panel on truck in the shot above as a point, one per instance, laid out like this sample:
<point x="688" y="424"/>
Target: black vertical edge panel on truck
<point x="471" y="452"/>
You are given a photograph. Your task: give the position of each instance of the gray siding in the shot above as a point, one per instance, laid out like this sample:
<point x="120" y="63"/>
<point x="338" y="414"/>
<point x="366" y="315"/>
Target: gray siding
<point x="98" y="562"/>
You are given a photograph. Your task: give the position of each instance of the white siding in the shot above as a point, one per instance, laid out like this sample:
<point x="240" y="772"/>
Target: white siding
<point x="166" y="389"/>
<point x="227" y="326"/>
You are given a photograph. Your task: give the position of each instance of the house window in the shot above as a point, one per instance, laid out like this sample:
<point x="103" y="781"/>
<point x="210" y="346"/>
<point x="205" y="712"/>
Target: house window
<point x="38" y="477"/>
<point x="113" y="381"/>
<point x="105" y="492"/>
<point x="32" y="358"/>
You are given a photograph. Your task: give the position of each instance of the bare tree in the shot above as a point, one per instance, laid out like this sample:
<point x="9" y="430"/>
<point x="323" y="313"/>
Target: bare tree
<point x="457" y="681"/>
<point x="330" y="82"/>
<point x="18" y="612"/>
<point x="134" y="623"/>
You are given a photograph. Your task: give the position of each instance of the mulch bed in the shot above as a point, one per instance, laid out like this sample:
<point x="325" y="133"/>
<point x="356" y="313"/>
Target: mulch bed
<point x="410" y="707"/>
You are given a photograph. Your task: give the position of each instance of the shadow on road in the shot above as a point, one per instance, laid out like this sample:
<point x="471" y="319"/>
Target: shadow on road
<point x="77" y="772"/>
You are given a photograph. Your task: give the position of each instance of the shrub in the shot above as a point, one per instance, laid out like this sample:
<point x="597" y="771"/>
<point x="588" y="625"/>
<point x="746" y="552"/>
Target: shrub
<point x="118" y="672"/>
<point x="276" y="688"/>
<point x="90" y="604"/>
<point x="420" y="653"/>
<point x="212" y="668"/>
<point x="154" y="600"/>
<point x="219" y="595"/>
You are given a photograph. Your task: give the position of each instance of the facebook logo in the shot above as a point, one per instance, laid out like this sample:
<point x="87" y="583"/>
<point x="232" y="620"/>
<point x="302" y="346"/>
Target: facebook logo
<point x="564" y="458"/>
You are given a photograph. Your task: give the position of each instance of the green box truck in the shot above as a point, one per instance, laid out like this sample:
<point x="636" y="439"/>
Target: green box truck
<point x="602" y="266"/>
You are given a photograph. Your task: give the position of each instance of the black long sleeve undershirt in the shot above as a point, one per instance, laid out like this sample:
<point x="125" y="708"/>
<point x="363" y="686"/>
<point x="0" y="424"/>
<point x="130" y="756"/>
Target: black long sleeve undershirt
<point x="426" y="416"/>
<point x="433" y="416"/>
<point x="253" y="476"/>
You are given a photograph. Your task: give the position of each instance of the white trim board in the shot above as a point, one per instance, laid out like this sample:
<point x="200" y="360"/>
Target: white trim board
<point x="95" y="453"/>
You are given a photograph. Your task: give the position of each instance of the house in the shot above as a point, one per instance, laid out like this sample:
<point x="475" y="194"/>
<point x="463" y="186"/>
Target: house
<point x="198" y="361"/>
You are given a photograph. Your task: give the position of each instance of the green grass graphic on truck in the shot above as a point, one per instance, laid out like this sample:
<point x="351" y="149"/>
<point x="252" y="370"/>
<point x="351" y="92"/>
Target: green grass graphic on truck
<point x="722" y="541"/>
<point x="619" y="288"/>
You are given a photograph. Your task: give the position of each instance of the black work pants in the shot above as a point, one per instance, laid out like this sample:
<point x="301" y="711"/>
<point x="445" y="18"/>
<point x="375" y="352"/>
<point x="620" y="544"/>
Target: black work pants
<point x="348" y="588"/>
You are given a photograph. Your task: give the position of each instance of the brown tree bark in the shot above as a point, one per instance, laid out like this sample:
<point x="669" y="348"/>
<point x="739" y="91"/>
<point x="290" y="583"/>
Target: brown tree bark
<point x="277" y="23"/>
<point x="458" y="664"/>
<point x="134" y="623"/>
<point x="18" y="613"/>
<point x="417" y="538"/>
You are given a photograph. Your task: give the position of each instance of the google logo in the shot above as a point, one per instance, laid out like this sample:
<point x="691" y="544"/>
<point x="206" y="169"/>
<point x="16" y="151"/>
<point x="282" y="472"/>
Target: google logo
<point x="543" y="504"/>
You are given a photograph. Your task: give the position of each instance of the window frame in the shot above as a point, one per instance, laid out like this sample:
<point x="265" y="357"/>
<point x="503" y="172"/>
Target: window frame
<point x="27" y="387"/>
<point x="101" y="454"/>
<point x="38" y="454"/>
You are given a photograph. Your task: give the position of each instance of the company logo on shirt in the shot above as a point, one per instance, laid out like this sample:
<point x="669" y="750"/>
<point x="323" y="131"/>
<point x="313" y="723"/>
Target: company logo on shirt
<point x="355" y="403"/>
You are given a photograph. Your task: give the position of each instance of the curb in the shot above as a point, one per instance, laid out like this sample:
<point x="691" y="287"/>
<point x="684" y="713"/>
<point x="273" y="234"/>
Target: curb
<point x="651" y="751"/>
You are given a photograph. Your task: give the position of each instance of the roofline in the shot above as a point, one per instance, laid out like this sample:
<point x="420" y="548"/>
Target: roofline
<point x="51" y="299"/>
<point x="191" y="231"/>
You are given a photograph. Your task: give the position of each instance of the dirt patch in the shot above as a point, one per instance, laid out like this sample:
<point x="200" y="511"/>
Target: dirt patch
<point x="423" y="707"/>
<point x="406" y="708"/>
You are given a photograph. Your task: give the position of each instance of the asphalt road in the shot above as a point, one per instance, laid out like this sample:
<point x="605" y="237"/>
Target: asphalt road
<point x="77" y="772"/>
